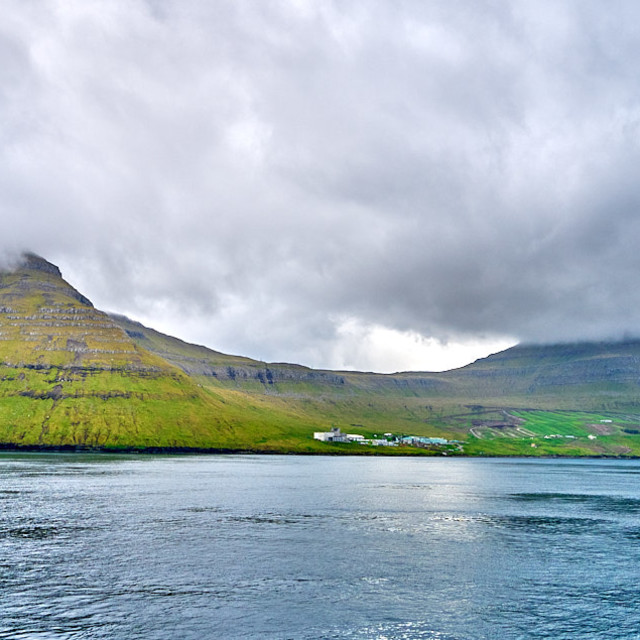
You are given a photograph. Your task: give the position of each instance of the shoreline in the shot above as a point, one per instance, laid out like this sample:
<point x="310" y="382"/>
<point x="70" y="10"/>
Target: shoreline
<point x="150" y="451"/>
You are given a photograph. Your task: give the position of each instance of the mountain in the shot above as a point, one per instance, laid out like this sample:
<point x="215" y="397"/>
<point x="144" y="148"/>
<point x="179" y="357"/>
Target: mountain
<point x="593" y="376"/>
<point x="73" y="376"/>
<point x="588" y="393"/>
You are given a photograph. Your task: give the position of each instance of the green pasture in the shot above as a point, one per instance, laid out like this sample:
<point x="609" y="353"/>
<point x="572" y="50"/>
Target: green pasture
<point x="575" y="423"/>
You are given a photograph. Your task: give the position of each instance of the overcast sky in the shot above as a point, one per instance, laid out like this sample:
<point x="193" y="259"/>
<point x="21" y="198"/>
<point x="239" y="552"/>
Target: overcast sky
<point x="369" y="184"/>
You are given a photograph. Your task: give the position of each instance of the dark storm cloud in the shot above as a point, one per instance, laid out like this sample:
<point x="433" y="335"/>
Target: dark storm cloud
<point x="268" y="171"/>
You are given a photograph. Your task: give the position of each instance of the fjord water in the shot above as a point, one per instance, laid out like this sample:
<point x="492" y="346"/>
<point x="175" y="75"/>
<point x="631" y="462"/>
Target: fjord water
<point x="311" y="547"/>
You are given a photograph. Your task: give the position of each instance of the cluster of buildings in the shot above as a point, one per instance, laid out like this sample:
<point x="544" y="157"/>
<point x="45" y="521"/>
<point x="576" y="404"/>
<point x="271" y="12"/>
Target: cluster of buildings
<point x="389" y="440"/>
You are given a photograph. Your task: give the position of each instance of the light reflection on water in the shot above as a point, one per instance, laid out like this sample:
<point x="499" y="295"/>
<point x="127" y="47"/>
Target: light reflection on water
<point x="310" y="548"/>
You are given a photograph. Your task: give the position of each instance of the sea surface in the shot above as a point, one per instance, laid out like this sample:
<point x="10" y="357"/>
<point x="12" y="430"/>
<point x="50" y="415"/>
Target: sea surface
<point x="277" y="547"/>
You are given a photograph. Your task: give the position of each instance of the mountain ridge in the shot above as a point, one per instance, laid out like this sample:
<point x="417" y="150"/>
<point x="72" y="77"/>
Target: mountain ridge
<point x="621" y="358"/>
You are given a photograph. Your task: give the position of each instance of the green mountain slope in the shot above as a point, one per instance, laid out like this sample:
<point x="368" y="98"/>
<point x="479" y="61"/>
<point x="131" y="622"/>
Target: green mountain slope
<point x="73" y="376"/>
<point x="70" y="376"/>
<point x="499" y="405"/>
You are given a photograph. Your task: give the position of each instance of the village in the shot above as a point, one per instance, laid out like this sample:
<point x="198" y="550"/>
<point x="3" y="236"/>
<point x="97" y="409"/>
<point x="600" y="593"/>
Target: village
<point x="387" y="439"/>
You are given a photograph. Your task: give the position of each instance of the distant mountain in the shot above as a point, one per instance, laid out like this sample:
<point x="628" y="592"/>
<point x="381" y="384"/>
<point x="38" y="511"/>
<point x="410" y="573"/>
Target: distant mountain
<point x="600" y="373"/>
<point x="570" y="376"/>
<point x="73" y="376"/>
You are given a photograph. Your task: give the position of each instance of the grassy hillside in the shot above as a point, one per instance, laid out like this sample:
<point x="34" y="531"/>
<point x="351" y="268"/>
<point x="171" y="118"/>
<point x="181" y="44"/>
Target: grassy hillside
<point x="500" y="405"/>
<point x="70" y="376"/>
<point x="73" y="376"/>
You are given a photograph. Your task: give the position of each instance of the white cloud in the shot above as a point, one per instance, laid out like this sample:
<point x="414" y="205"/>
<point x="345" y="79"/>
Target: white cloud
<point x="245" y="173"/>
<point x="374" y="347"/>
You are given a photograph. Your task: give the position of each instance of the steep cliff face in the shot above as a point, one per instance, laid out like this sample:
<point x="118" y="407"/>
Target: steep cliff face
<point x="30" y="262"/>
<point x="33" y="262"/>
<point x="45" y="322"/>
<point x="70" y="376"/>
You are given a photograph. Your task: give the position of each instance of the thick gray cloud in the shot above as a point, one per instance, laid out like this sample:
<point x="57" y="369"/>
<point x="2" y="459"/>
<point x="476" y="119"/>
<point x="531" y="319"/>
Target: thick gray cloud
<point x="260" y="175"/>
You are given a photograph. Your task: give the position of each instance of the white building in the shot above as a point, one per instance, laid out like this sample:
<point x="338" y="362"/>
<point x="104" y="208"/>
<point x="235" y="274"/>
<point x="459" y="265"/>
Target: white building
<point x="335" y="435"/>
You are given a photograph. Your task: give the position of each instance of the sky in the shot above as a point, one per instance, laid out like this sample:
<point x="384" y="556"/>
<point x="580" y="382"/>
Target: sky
<point x="351" y="184"/>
